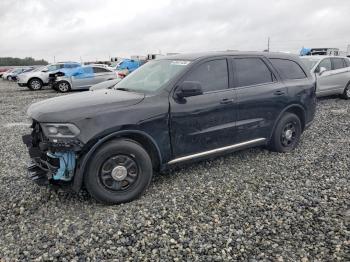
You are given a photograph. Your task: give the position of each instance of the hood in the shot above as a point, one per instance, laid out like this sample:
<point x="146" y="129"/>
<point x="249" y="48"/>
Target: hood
<point x="69" y="108"/>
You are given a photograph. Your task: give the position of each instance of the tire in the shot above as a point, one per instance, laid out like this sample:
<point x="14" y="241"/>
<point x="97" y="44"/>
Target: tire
<point x="9" y="78"/>
<point x="286" y="135"/>
<point x="63" y="87"/>
<point x="119" y="172"/>
<point x="35" y="84"/>
<point x="346" y="93"/>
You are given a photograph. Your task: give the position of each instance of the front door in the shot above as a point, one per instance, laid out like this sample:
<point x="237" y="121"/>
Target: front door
<point x="204" y="122"/>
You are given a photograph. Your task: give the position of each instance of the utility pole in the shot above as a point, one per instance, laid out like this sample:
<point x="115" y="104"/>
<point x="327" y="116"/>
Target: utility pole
<point x="268" y="44"/>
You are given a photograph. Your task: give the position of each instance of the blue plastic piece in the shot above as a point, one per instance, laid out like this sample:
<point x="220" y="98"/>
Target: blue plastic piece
<point x="67" y="165"/>
<point x="129" y="64"/>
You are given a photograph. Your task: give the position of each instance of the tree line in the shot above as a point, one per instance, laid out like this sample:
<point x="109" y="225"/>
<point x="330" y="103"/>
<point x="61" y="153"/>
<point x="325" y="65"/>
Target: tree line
<point x="14" y="61"/>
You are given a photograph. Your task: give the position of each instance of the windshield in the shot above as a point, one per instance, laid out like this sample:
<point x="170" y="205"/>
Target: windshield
<point x="152" y="75"/>
<point x="53" y="67"/>
<point x="310" y="62"/>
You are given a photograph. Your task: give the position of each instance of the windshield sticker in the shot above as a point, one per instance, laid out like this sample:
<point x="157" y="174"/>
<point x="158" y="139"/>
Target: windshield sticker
<point x="178" y="62"/>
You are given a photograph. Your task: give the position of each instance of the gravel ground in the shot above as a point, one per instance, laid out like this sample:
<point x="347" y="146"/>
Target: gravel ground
<point x="251" y="205"/>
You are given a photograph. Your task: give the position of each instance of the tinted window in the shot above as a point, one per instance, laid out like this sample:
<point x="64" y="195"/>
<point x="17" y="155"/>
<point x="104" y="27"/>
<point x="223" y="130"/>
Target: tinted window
<point x="347" y="62"/>
<point x="212" y="75"/>
<point x="100" y="70"/>
<point x="288" y="69"/>
<point x="251" y="71"/>
<point x="337" y="63"/>
<point x="326" y="63"/>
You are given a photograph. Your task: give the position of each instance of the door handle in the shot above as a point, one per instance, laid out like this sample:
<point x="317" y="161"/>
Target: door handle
<point x="226" y="101"/>
<point x="278" y="93"/>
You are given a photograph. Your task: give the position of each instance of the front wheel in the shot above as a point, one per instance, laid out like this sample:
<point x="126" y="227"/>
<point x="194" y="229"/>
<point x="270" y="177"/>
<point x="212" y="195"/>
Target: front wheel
<point x="287" y="133"/>
<point x="63" y="87"/>
<point x="35" y="84"/>
<point x="119" y="172"/>
<point x="346" y="93"/>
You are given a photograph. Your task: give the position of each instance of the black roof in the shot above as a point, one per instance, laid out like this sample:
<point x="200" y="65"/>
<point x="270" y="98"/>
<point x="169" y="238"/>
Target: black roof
<point x="195" y="56"/>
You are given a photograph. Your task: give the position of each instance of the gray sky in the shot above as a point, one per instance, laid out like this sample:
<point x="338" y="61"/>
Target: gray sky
<point x="68" y="29"/>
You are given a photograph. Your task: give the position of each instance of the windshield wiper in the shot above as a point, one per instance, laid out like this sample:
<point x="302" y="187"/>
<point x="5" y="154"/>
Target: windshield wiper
<point x="123" y="89"/>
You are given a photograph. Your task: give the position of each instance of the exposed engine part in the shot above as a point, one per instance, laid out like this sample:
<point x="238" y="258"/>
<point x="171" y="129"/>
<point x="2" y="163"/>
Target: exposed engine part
<point x="67" y="164"/>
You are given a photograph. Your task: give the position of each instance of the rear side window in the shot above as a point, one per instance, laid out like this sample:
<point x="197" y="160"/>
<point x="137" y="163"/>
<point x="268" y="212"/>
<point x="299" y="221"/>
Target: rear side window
<point x="288" y="68"/>
<point x="347" y="62"/>
<point x="212" y="75"/>
<point x="337" y="63"/>
<point x="251" y="71"/>
<point x="100" y="70"/>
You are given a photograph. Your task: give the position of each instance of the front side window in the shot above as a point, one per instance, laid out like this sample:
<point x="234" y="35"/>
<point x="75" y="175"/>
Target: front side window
<point x="212" y="75"/>
<point x="251" y="71"/>
<point x="288" y="68"/>
<point x="337" y="63"/>
<point x="326" y="63"/>
<point x="153" y="75"/>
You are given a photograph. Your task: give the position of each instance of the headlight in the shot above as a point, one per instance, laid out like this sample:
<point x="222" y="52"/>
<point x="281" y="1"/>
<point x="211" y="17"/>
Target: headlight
<point x="60" y="130"/>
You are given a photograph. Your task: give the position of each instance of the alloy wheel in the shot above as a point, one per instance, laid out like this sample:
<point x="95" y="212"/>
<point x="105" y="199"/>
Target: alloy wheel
<point x="35" y="85"/>
<point x="63" y="87"/>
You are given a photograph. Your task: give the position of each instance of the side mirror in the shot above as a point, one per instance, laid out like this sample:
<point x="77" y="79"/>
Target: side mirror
<point x="322" y="70"/>
<point x="189" y="88"/>
<point x="45" y="70"/>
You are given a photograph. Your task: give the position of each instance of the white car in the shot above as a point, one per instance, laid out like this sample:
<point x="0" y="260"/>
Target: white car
<point x="332" y="74"/>
<point x="38" y="78"/>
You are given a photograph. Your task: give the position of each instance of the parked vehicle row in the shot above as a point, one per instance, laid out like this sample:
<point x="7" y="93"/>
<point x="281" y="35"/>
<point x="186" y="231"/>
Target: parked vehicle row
<point x="169" y="111"/>
<point x="13" y="73"/>
<point x="38" y="78"/>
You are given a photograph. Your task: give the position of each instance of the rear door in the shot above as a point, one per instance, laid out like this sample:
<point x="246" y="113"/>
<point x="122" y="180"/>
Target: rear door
<point x="340" y="73"/>
<point x="260" y="97"/>
<point x="204" y="122"/>
<point x="102" y="74"/>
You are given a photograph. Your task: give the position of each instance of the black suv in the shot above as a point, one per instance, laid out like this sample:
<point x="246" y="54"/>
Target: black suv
<point x="172" y="110"/>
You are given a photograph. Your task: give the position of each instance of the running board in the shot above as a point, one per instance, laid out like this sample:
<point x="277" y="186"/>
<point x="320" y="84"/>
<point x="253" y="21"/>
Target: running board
<point x="218" y="150"/>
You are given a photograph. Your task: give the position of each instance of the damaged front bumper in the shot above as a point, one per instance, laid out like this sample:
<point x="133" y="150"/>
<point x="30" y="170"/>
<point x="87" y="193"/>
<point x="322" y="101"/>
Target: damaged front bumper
<point x="51" y="162"/>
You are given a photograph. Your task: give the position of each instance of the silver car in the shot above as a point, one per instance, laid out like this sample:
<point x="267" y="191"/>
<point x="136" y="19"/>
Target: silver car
<point x="83" y="78"/>
<point x="332" y="74"/>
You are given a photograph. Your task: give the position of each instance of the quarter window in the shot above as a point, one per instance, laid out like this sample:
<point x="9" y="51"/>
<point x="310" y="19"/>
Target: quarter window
<point x="326" y="63"/>
<point x="251" y="71"/>
<point x="337" y="63"/>
<point x="211" y="75"/>
<point x="288" y="68"/>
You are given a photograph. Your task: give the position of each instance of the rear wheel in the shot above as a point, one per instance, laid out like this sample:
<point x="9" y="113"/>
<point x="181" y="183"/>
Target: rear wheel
<point x="120" y="171"/>
<point x="346" y="93"/>
<point x="63" y="87"/>
<point x="35" y="84"/>
<point x="9" y="78"/>
<point x="287" y="133"/>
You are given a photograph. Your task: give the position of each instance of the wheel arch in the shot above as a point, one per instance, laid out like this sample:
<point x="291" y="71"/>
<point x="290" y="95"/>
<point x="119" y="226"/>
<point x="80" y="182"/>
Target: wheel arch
<point x="35" y="77"/>
<point x="295" y="109"/>
<point x="140" y="137"/>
